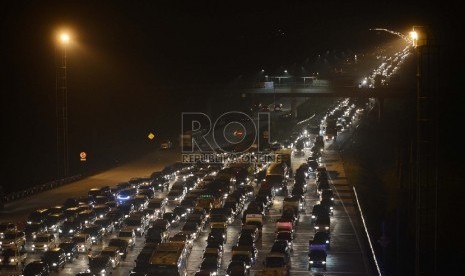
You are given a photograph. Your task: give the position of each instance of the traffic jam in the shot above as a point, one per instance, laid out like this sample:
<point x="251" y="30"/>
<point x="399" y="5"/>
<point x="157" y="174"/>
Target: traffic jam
<point x="231" y="218"/>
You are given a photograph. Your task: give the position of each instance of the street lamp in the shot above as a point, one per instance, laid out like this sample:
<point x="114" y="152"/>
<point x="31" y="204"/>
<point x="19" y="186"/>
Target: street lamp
<point x="62" y="107"/>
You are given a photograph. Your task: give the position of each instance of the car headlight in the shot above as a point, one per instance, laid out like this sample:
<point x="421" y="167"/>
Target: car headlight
<point x="71" y="230"/>
<point x="102" y="271"/>
<point x="33" y="245"/>
<point x="12" y="260"/>
<point x="130" y="240"/>
<point x="313" y="217"/>
<point x="327" y="241"/>
<point x="323" y="262"/>
<point x="45" y="246"/>
<point x="317" y="227"/>
<point x="54" y="264"/>
<point x="59" y="231"/>
<point x="68" y="254"/>
<point x="311" y="262"/>
<point x="326" y="227"/>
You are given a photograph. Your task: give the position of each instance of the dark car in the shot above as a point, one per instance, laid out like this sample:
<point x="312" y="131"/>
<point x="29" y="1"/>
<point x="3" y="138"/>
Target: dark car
<point x="181" y="211"/>
<point x="237" y="268"/>
<point x="319" y="210"/>
<point x="55" y="258"/>
<point x="282" y="246"/>
<point x="70" y="248"/>
<point x="32" y="229"/>
<point x="95" y="232"/>
<point x="172" y="218"/>
<point x="286" y="236"/>
<point x="69" y="228"/>
<point x="36" y="268"/>
<point x="116" y="216"/>
<point x="317" y="259"/>
<point x="321" y="240"/>
<point x="106" y="224"/>
<point x="100" y="265"/>
<point x="121" y="244"/>
<point x="210" y="264"/>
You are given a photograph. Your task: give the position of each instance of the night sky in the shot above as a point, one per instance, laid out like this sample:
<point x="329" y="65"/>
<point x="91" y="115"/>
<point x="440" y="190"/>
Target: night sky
<point x="125" y="54"/>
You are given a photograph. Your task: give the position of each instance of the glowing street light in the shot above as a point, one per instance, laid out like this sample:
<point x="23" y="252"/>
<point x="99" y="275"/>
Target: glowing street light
<point x="62" y="107"/>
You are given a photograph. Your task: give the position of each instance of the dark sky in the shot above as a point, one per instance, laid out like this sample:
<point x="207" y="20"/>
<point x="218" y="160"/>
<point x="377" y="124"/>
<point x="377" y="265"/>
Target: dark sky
<point x="125" y="52"/>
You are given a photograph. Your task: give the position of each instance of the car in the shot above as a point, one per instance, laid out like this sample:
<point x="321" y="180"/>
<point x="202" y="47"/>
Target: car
<point x="83" y="241"/>
<point x="70" y="248"/>
<point x="192" y="228"/>
<point x="36" y="268"/>
<point x="317" y="259"/>
<point x="106" y="224"/>
<point x="7" y="227"/>
<point x="69" y="228"/>
<point x="322" y="223"/>
<point x="329" y="204"/>
<point x="237" y="268"/>
<point x="281" y="246"/>
<point x="319" y="210"/>
<point x="100" y="265"/>
<point x="252" y="230"/>
<point x="12" y="257"/>
<point x="286" y="236"/>
<point x="137" y="222"/>
<point x="95" y="232"/>
<point x="113" y="253"/>
<point x="122" y="245"/>
<point x="43" y="242"/>
<point x="155" y="235"/>
<point x="327" y="194"/>
<point x="211" y="252"/>
<point x="116" y="216"/>
<point x="53" y="221"/>
<point x="321" y="240"/>
<point x="210" y="264"/>
<point x="172" y="218"/>
<point x="128" y="234"/>
<point x="55" y="258"/>
<point x="13" y="239"/>
<point x="181" y="212"/>
<point x="176" y="196"/>
<point x="156" y="207"/>
<point x="101" y="210"/>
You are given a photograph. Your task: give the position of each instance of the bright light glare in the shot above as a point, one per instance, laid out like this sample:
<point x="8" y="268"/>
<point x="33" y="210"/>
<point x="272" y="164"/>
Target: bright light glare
<point x="413" y="35"/>
<point x="64" y="38"/>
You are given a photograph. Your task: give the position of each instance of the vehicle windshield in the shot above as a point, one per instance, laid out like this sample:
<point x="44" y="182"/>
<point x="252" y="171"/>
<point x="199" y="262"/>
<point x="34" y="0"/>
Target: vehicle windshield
<point x="125" y="234"/>
<point x="116" y="242"/>
<point x="42" y="239"/>
<point x="133" y="222"/>
<point x="98" y="261"/>
<point x="153" y="205"/>
<point x="79" y="239"/>
<point x="10" y="236"/>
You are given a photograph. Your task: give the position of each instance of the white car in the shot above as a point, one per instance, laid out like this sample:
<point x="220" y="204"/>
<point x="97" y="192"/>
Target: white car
<point x="43" y="242"/>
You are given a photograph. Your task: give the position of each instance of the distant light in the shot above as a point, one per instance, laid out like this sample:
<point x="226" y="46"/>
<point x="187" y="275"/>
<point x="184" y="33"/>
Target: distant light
<point x="285" y="71"/>
<point x="413" y="35"/>
<point x="263" y="70"/>
<point x="64" y="38"/>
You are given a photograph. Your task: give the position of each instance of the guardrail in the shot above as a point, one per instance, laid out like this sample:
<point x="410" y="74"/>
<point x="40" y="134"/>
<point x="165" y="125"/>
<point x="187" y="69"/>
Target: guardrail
<point x="375" y="260"/>
<point x="40" y="188"/>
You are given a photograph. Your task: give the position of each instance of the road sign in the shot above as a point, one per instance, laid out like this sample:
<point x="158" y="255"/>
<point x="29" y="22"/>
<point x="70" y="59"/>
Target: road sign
<point x="151" y="136"/>
<point x="83" y="156"/>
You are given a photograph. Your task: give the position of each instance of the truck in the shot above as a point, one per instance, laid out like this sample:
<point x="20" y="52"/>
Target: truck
<point x="330" y="132"/>
<point x="276" y="263"/>
<point x="243" y="253"/>
<point x="169" y="258"/>
<point x="277" y="175"/>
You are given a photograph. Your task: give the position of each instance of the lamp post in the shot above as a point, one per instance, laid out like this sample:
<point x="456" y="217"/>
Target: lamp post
<point x="62" y="107"/>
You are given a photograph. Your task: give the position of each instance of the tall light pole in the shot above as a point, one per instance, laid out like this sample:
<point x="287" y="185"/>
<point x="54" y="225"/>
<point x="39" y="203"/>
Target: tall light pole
<point x="62" y="107"/>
